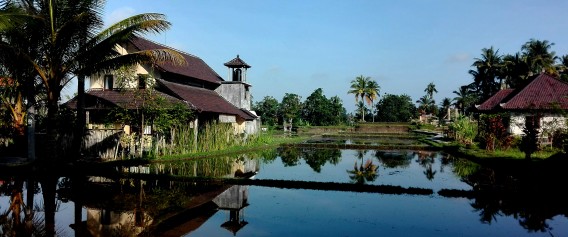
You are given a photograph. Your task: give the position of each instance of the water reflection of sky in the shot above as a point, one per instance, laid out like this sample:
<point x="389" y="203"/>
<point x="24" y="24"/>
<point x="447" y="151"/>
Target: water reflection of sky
<point x="294" y="212"/>
<point x="411" y="175"/>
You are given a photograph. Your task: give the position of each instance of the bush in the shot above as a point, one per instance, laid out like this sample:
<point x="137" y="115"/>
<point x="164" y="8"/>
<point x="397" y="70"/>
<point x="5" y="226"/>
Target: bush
<point x="462" y="130"/>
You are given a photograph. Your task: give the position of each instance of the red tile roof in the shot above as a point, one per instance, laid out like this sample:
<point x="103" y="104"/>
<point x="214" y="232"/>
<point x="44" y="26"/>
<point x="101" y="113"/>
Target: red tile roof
<point x="544" y="92"/>
<point x="205" y="100"/>
<point x="492" y="103"/>
<point x="128" y="99"/>
<point x="236" y="63"/>
<point x="195" y="67"/>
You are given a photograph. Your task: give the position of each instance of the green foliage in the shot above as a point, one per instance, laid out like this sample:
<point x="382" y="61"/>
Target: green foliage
<point x="465" y="98"/>
<point x="395" y="108"/>
<point x="291" y="108"/>
<point x="493" y="132"/>
<point x="319" y="111"/>
<point x="267" y="109"/>
<point x="463" y="130"/>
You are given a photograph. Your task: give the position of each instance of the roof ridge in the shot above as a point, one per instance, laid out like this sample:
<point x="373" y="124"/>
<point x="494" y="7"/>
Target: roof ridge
<point x="169" y="47"/>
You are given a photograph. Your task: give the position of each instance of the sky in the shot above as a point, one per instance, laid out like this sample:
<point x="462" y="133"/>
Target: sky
<point x="298" y="46"/>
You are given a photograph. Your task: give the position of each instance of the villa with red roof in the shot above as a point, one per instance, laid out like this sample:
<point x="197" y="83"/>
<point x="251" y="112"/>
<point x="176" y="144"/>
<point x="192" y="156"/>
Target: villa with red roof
<point x="544" y="96"/>
<point x="193" y="84"/>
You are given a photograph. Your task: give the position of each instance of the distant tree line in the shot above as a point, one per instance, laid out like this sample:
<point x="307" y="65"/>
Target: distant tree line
<point x="316" y="110"/>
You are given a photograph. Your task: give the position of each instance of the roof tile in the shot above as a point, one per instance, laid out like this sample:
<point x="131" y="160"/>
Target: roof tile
<point x="543" y="92"/>
<point x="195" y="67"/>
<point x="205" y="100"/>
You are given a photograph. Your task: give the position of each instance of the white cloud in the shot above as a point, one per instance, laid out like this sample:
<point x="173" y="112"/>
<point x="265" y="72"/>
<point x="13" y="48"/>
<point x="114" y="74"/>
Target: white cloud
<point x="458" y="57"/>
<point x="119" y="14"/>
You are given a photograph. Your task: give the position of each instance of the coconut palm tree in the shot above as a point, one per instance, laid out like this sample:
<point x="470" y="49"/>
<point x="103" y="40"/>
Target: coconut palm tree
<point x="445" y="106"/>
<point x="360" y="106"/>
<point x="463" y="98"/>
<point x="359" y="88"/>
<point x="371" y="94"/>
<point x="487" y="70"/>
<point x="70" y="47"/>
<point x="563" y="68"/>
<point x="430" y="90"/>
<point x="515" y="70"/>
<point x="539" y="56"/>
<point x="425" y="104"/>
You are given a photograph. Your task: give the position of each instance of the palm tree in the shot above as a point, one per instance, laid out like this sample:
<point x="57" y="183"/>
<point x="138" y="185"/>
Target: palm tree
<point x="463" y="98"/>
<point x="515" y="70"/>
<point x="445" y="106"/>
<point x="430" y="90"/>
<point x="425" y="104"/>
<point x="371" y="94"/>
<point x="488" y="68"/>
<point x="360" y="106"/>
<point x="563" y="68"/>
<point x="539" y="56"/>
<point x="359" y="88"/>
<point x="69" y="47"/>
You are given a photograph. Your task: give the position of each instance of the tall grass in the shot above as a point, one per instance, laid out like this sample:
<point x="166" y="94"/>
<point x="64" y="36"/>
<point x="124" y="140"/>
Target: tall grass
<point x="212" y="136"/>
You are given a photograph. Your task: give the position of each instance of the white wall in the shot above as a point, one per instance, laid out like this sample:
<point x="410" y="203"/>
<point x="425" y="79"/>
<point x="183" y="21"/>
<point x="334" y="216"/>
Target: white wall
<point x="548" y="122"/>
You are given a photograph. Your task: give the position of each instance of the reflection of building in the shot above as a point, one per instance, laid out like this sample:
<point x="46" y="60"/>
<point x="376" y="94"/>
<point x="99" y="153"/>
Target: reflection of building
<point x="104" y="222"/>
<point x="121" y="212"/>
<point x="233" y="200"/>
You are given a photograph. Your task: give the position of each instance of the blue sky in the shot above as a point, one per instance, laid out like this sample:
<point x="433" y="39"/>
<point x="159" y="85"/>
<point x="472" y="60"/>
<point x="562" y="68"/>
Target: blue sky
<point x="297" y="46"/>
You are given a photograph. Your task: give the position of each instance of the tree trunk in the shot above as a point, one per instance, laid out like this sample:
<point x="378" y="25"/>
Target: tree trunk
<point x="52" y="147"/>
<point x="48" y="188"/>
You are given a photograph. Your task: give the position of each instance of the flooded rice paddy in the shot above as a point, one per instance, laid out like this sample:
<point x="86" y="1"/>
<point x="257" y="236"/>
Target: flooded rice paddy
<point x="288" y="191"/>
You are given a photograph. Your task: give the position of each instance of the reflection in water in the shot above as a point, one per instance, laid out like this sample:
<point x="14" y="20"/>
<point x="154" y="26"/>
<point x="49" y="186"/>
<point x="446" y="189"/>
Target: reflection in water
<point x="314" y="157"/>
<point x="233" y="200"/>
<point x="156" y="205"/>
<point x="19" y="218"/>
<point x="426" y="159"/>
<point x="527" y="192"/>
<point x="363" y="173"/>
<point x="393" y="159"/>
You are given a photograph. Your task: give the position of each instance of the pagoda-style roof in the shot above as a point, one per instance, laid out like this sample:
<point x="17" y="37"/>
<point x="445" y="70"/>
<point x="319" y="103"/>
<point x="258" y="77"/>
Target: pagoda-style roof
<point x="542" y="93"/>
<point x="237" y="63"/>
<point x="195" y="67"/>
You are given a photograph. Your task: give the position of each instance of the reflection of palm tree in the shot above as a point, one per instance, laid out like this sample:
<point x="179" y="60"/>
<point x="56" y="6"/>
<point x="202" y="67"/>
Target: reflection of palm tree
<point x="429" y="172"/>
<point x="426" y="160"/>
<point x="364" y="173"/>
<point x="488" y="208"/>
<point x="12" y="221"/>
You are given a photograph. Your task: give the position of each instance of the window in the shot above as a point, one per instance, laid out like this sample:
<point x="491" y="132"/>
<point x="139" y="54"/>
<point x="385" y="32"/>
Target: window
<point x="532" y="121"/>
<point x="108" y="82"/>
<point x="237" y="74"/>
<point x="142" y="81"/>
